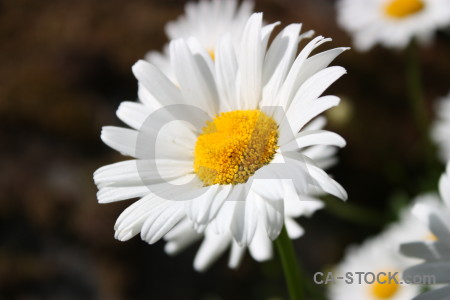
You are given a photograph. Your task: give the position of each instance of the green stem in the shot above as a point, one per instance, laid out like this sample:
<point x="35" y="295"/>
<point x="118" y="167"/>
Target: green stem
<point x="294" y="278"/>
<point x="415" y="89"/>
<point x="418" y="106"/>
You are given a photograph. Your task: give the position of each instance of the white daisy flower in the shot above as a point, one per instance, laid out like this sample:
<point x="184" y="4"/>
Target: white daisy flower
<point x="440" y="130"/>
<point x="380" y="254"/>
<point x="207" y="21"/>
<point x="392" y="23"/>
<point x="435" y="253"/>
<point x="236" y="167"/>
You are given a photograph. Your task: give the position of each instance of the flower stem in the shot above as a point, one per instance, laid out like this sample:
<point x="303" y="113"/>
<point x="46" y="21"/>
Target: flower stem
<point x="415" y="89"/>
<point x="418" y="106"/>
<point x="294" y="278"/>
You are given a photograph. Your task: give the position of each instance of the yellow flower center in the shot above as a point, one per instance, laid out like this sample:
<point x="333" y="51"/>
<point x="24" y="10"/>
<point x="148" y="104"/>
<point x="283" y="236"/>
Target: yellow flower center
<point x="431" y="237"/>
<point x="403" y="8"/>
<point x="385" y="290"/>
<point x="212" y="54"/>
<point x="234" y="145"/>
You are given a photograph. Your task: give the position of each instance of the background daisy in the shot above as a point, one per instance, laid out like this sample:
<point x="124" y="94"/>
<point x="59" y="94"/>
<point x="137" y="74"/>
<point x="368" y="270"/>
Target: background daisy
<point x="207" y="21"/>
<point x="436" y="253"/>
<point x="381" y="254"/>
<point x="392" y="23"/>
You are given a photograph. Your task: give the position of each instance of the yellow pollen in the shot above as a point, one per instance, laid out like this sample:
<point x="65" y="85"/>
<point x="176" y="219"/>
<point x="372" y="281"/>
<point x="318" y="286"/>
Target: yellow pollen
<point x="403" y="8"/>
<point x="385" y="290"/>
<point x="234" y="145"/>
<point x="212" y="54"/>
<point x="431" y="237"/>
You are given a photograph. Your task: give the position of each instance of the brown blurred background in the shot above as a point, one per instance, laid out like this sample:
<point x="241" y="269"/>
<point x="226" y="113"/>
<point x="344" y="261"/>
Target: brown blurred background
<point x="65" y="66"/>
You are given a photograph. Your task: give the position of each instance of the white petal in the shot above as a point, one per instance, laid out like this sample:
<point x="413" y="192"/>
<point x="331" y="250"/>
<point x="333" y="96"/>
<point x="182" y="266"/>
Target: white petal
<point x="250" y="63"/>
<point x="237" y="252"/>
<point x="320" y="177"/>
<point x="277" y="62"/>
<point x="328" y="184"/>
<point x="140" y="172"/>
<point x="122" y="140"/>
<point x="430" y="251"/>
<point x="223" y="220"/>
<point x="194" y="77"/>
<point x="133" y="113"/>
<point x="293" y="82"/>
<point x="312" y="138"/>
<point x="300" y="115"/>
<point x="440" y="270"/>
<point x="161" y="61"/>
<point x="318" y="62"/>
<point x="266" y="31"/>
<point x="293" y="229"/>
<point x="124" y="171"/>
<point x="271" y="209"/>
<point x="210" y="250"/>
<point x="312" y="89"/>
<point x="198" y="49"/>
<point x="316" y="124"/>
<point x="157" y="84"/>
<point x="132" y="218"/>
<point x="439" y="294"/>
<point x="178" y="244"/>
<point x="245" y="219"/>
<point x="226" y="69"/>
<point x="439" y="229"/>
<point x="204" y="208"/>
<point x="261" y="246"/>
<point x="109" y="194"/>
<point x="161" y="220"/>
<point x="299" y="205"/>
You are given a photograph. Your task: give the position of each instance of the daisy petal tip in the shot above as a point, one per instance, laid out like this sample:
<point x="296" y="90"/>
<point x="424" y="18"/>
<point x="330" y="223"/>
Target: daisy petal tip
<point x="123" y="236"/>
<point x="344" y="196"/>
<point x="139" y="66"/>
<point x="170" y="249"/>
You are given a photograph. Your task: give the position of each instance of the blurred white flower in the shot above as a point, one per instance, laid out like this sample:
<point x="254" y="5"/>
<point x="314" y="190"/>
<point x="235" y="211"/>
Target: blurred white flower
<point x="392" y="23"/>
<point x="440" y="130"/>
<point x="237" y="173"/>
<point x="434" y="253"/>
<point x="207" y="21"/>
<point x="381" y="254"/>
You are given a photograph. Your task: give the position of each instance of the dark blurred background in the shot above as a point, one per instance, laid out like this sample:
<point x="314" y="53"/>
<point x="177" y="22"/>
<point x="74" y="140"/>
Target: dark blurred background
<point x="64" y="68"/>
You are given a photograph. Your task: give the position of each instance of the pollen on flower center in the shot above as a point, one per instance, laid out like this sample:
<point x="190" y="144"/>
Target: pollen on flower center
<point x="234" y="145"/>
<point x="403" y="8"/>
<point x="384" y="287"/>
<point x="212" y="54"/>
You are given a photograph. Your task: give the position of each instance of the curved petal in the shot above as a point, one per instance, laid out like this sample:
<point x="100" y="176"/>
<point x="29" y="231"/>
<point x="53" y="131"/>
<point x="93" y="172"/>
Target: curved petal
<point x="250" y="63"/>
<point x="261" y="246"/>
<point x="133" y="113"/>
<point x="309" y="138"/>
<point x="163" y="91"/>
<point x="120" y="139"/>
<point x="226" y="70"/>
<point x="160" y="220"/>
<point x="194" y="77"/>
<point x="210" y="250"/>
